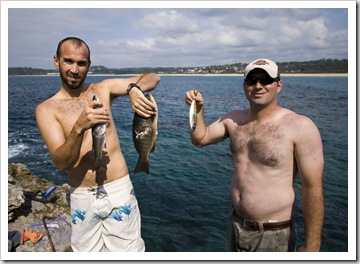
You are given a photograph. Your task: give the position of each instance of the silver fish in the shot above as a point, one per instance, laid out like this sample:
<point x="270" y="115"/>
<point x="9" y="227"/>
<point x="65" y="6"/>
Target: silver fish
<point x="144" y="132"/>
<point x="192" y="113"/>
<point x="98" y="136"/>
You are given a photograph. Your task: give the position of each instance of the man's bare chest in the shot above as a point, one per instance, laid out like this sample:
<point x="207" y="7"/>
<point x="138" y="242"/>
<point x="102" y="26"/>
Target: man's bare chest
<point x="265" y="144"/>
<point x="69" y="111"/>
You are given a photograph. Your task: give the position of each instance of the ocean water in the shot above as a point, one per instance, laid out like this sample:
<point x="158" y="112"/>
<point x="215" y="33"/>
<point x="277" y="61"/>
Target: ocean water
<point x="185" y="200"/>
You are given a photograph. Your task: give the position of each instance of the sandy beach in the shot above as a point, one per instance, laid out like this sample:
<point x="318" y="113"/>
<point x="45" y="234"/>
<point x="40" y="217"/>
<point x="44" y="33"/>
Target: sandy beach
<point x="212" y="75"/>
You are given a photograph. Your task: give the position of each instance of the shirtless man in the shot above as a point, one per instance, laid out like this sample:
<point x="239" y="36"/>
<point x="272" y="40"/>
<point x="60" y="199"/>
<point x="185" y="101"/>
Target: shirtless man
<point x="270" y="145"/>
<point x="104" y="209"/>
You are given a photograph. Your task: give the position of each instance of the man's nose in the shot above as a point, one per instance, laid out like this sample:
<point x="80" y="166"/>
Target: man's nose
<point x="74" y="68"/>
<point x="258" y="84"/>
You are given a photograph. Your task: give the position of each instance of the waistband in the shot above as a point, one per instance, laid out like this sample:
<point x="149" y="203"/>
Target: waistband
<point x="118" y="184"/>
<point x="255" y="226"/>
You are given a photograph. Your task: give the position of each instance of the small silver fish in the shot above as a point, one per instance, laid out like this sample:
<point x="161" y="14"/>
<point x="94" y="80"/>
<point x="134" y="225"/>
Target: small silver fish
<point x="192" y="113"/>
<point x="144" y="132"/>
<point x="98" y="136"/>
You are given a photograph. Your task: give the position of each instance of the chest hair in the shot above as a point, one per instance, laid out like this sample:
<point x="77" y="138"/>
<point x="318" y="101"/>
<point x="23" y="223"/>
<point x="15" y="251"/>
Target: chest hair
<point x="69" y="110"/>
<point x="262" y="143"/>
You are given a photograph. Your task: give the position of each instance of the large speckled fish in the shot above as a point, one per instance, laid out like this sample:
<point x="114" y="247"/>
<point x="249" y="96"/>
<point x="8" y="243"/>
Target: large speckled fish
<point x="98" y="136"/>
<point x="144" y="132"/>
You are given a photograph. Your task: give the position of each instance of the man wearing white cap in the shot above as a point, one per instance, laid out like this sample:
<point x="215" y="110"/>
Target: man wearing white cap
<point x="270" y="146"/>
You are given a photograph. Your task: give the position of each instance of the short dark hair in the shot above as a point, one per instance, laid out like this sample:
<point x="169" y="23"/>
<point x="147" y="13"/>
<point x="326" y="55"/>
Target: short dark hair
<point x="77" y="43"/>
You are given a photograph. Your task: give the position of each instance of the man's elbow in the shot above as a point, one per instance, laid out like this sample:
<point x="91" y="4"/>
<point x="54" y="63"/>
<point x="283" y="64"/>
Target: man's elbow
<point x="60" y="165"/>
<point x="156" y="79"/>
<point x="62" y="168"/>
<point x="197" y="143"/>
<point x="151" y="78"/>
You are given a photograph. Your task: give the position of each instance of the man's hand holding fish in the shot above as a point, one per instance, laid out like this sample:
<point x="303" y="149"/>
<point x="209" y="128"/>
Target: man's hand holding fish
<point x="198" y="121"/>
<point x="140" y="104"/>
<point x="197" y="96"/>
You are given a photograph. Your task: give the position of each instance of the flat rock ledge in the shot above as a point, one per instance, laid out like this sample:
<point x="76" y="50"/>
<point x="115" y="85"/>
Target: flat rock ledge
<point x="27" y="214"/>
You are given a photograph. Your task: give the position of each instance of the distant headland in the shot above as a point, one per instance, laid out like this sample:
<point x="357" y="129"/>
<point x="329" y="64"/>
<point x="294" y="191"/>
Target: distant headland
<point x="318" y="67"/>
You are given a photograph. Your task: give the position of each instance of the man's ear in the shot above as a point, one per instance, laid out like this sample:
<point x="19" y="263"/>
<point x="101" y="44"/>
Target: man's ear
<point x="56" y="62"/>
<point x="279" y="86"/>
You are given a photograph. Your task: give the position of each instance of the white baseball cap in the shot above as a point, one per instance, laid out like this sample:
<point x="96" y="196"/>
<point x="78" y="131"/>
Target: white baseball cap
<point x="267" y="65"/>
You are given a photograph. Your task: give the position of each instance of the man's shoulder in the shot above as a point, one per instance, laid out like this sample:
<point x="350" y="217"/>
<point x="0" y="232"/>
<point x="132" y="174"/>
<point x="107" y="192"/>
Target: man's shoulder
<point x="44" y="107"/>
<point x="48" y="105"/>
<point x="296" y="121"/>
<point x="292" y="116"/>
<point x="50" y="99"/>
<point x="100" y="87"/>
<point x="234" y="118"/>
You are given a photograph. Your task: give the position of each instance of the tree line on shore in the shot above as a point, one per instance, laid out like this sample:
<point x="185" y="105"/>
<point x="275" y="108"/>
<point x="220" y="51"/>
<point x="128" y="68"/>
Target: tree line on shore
<point x="314" y="66"/>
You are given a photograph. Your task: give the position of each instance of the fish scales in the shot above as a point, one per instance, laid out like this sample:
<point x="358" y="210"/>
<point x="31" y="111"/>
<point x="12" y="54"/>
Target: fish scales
<point x="193" y="113"/>
<point x="144" y="132"/>
<point x="98" y="132"/>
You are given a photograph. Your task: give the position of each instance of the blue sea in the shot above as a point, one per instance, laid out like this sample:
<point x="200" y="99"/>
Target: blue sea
<point x="185" y="200"/>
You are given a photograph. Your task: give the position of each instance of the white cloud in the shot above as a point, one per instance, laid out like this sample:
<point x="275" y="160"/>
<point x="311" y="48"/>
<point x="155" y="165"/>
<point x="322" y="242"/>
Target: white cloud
<point x="136" y="37"/>
<point x="167" y="22"/>
<point x="144" y="45"/>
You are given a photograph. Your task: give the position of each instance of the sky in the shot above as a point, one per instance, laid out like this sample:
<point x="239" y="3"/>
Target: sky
<point x="208" y="33"/>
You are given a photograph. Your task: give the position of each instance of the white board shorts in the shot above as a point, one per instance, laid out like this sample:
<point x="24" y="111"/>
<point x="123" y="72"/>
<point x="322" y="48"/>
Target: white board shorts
<point x="106" y="218"/>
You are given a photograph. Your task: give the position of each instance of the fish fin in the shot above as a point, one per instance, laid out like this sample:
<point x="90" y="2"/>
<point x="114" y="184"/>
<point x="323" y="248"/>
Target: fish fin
<point x="99" y="162"/>
<point x="153" y="148"/>
<point x="142" y="165"/>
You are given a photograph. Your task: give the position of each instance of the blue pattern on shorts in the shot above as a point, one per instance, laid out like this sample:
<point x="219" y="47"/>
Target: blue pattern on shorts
<point x="117" y="214"/>
<point x="78" y="214"/>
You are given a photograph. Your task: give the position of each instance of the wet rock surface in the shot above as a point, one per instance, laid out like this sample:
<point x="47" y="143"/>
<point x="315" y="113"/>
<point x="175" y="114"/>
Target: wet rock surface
<point x="25" y="213"/>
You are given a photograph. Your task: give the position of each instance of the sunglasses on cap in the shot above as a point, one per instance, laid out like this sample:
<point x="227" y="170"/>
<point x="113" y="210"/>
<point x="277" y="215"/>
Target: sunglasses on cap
<point x="264" y="80"/>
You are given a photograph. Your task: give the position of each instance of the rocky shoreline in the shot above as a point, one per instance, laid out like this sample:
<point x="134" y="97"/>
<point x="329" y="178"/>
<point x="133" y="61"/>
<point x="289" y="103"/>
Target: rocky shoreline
<point x="25" y="213"/>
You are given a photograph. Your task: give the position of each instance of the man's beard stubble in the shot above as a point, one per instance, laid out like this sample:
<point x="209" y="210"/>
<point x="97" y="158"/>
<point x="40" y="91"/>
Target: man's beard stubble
<point x="69" y="84"/>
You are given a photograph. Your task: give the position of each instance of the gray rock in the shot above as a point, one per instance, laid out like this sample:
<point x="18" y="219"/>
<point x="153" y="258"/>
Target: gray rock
<point x="16" y="198"/>
<point x="26" y="214"/>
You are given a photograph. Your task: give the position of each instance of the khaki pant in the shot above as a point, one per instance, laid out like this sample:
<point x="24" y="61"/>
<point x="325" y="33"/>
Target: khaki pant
<point x="243" y="240"/>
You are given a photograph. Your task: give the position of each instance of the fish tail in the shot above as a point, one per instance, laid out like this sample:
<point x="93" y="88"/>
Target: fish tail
<point x="142" y="165"/>
<point x="99" y="162"/>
